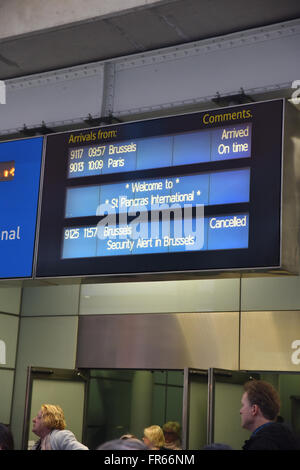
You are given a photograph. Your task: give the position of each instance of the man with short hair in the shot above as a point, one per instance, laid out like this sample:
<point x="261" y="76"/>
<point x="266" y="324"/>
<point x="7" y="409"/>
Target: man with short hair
<point x="260" y="407"/>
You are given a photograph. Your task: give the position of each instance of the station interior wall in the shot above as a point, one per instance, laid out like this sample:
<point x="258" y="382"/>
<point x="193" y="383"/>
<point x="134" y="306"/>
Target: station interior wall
<point x="40" y="324"/>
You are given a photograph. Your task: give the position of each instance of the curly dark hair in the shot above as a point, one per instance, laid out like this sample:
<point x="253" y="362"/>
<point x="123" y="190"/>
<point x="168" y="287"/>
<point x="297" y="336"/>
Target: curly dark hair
<point x="264" y="395"/>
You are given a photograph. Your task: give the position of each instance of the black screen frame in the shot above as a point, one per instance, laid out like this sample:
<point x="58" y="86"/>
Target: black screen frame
<point x="264" y="208"/>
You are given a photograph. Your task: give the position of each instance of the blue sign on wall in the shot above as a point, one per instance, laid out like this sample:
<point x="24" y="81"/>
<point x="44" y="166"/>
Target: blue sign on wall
<point x="20" y="166"/>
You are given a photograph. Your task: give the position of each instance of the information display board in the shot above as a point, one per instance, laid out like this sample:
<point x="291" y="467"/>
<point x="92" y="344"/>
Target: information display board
<point x="188" y="193"/>
<point x="20" y="167"/>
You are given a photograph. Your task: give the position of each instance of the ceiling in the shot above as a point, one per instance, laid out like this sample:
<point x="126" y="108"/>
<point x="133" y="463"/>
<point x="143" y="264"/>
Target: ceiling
<point x="160" y="25"/>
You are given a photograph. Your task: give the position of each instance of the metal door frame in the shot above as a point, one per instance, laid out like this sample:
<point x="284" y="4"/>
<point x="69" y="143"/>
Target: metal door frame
<point x="185" y="409"/>
<point x="226" y="375"/>
<point x="186" y="402"/>
<point x="45" y="373"/>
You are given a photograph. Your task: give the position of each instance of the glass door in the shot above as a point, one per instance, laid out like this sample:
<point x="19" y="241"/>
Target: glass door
<point x="194" y="418"/>
<point x="122" y="401"/>
<point x="63" y="387"/>
<point x="225" y="390"/>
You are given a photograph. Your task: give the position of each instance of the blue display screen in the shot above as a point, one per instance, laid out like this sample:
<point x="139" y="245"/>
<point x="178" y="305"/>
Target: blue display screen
<point x="20" y="166"/>
<point x="169" y="196"/>
<point x="163" y="195"/>
<point x="221" y="187"/>
<point x="150" y="196"/>
<point x="225" y="143"/>
<point x="159" y="236"/>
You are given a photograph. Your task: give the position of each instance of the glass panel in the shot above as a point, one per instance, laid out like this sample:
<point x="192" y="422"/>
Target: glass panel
<point x="197" y="434"/>
<point x="227" y="390"/>
<point x="159" y="398"/>
<point x="159" y="297"/>
<point x="122" y="401"/>
<point x="227" y="415"/>
<point x="175" y="377"/>
<point x="288" y="387"/>
<point x="160" y="376"/>
<point x="289" y="390"/>
<point x="174" y="396"/>
<point x="295" y="402"/>
<point x="68" y="394"/>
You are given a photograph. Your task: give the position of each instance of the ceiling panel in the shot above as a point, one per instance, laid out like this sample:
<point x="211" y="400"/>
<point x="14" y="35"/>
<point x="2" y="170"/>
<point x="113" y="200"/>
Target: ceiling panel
<point x="160" y="25"/>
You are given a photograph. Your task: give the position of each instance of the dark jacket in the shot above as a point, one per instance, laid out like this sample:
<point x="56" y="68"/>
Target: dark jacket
<point x="272" y="436"/>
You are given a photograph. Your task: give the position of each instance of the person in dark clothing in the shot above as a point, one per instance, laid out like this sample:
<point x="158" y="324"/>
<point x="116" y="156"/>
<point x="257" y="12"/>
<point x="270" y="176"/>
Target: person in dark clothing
<point x="272" y="436"/>
<point x="6" y="438"/>
<point x="260" y="407"/>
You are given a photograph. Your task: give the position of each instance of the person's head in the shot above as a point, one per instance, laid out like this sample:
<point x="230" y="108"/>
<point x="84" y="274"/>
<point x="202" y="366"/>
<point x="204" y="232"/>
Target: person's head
<point x="154" y="437"/>
<point x="260" y="403"/>
<point x="49" y="417"/>
<point x="6" y="438"/>
<point x="123" y="444"/>
<point x="171" y="431"/>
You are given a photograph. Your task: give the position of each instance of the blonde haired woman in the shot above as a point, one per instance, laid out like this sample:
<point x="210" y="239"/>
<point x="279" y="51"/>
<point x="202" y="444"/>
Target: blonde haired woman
<point x="50" y="425"/>
<point x="154" y="437"/>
